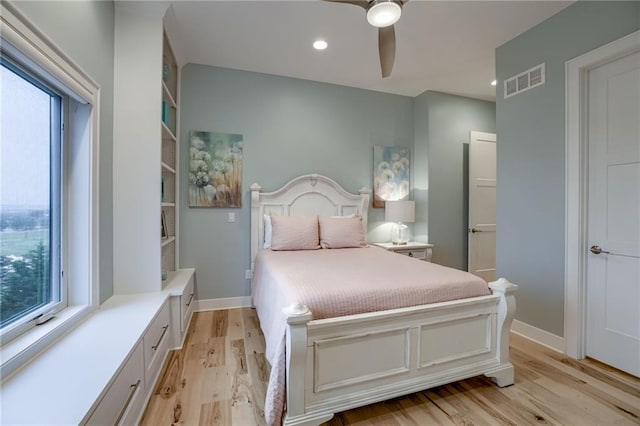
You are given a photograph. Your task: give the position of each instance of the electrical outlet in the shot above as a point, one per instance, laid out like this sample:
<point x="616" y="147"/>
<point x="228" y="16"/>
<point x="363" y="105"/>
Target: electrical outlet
<point x="231" y="217"/>
<point x="247" y="274"/>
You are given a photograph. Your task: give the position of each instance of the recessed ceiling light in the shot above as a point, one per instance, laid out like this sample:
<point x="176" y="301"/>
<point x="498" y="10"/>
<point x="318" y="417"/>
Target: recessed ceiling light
<point x="320" y="44"/>
<point x="494" y="82"/>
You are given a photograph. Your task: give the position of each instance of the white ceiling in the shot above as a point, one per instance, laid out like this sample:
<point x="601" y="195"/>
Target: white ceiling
<point x="446" y="46"/>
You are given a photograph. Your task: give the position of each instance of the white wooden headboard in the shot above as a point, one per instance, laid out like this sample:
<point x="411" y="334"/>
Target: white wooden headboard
<point x="305" y="195"/>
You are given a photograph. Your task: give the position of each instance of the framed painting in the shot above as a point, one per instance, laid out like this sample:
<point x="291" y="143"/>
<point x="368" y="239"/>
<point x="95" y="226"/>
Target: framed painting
<point x="215" y="169"/>
<point x="390" y="174"/>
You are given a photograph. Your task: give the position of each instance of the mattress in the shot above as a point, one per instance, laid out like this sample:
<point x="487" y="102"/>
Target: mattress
<point x="339" y="282"/>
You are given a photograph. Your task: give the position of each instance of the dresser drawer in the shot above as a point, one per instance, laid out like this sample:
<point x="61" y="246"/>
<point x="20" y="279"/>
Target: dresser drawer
<point x="417" y="253"/>
<point x="156" y="343"/>
<point x="183" y="302"/>
<point x="418" y="250"/>
<point x="124" y="400"/>
<point x="187" y="304"/>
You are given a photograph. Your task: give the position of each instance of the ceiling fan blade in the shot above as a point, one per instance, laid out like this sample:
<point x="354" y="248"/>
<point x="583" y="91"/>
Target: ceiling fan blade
<point x="362" y="3"/>
<point x="387" y="49"/>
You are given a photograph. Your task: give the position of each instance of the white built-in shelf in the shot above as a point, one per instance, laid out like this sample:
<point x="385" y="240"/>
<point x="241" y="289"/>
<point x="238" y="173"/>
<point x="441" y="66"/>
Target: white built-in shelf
<point x="167" y="133"/>
<point x="169" y="161"/>
<point x="167" y="93"/>
<point x="168" y="168"/>
<point x="177" y="280"/>
<point x="77" y="370"/>
<point x="167" y="241"/>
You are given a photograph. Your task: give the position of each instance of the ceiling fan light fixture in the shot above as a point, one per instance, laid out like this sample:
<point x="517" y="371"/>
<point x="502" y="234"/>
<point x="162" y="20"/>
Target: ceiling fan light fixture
<point x="382" y="13"/>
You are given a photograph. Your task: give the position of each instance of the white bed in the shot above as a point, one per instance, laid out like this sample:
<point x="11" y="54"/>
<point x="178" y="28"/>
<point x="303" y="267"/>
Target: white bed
<point x="333" y="364"/>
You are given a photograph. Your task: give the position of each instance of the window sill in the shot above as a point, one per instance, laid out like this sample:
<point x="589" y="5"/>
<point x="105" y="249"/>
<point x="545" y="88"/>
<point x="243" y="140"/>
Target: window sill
<point x="19" y="351"/>
<point x="81" y="365"/>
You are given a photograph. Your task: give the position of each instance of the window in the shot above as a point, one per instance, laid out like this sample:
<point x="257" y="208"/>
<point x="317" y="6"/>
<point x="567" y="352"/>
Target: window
<point x="30" y="200"/>
<point x="49" y="240"/>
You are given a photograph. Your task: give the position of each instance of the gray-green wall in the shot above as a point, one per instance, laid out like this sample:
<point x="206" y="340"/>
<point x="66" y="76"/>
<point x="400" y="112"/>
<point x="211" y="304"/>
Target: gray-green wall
<point x="290" y="127"/>
<point x="443" y="123"/>
<point x="531" y="153"/>
<point x="83" y="30"/>
<point x="293" y="127"/>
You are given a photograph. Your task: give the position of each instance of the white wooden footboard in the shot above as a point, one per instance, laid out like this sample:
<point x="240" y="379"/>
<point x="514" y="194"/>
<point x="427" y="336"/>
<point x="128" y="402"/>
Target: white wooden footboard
<point x="340" y="363"/>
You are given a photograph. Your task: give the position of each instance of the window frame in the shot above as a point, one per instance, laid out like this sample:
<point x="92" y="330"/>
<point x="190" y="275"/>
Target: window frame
<point x="80" y="179"/>
<point x="57" y="147"/>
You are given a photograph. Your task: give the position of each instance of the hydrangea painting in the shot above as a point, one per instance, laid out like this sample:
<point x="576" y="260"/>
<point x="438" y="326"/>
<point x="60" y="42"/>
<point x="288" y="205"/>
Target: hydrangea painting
<point x="215" y="170"/>
<point x="390" y="174"/>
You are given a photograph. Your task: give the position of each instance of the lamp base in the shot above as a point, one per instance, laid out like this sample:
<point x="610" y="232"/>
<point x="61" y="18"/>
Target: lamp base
<point x="399" y="234"/>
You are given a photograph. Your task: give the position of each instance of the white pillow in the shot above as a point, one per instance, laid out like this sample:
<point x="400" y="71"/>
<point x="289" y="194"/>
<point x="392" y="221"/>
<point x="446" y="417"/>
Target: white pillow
<point x="341" y="232"/>
<point x="267" y="231"/>
<point x="294" y="233"/>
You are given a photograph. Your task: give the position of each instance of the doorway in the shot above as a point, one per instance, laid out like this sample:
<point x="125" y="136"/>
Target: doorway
<point x="613" y="214"/>
<point x="482" y="205"/>
<point x="602" y="275"/>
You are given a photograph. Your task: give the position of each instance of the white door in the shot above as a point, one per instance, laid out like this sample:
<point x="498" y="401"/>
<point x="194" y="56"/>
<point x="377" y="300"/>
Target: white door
<point x="613" y="215"/>
<point x="482" y="205"/>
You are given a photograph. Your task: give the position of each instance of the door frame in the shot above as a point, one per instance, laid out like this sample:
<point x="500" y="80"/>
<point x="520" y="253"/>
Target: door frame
<point x="576" y="187"/>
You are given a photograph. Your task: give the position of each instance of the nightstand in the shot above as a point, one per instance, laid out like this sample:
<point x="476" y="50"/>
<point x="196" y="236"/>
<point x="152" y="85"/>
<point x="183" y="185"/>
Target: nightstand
<point x="412" y="249"/>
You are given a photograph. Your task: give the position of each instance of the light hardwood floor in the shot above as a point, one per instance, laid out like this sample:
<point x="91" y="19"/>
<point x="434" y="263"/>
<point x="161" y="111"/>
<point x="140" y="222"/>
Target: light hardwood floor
<point x="220" y="377"/>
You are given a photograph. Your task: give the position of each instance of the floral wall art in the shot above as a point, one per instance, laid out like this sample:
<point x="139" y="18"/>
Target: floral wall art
<point x="390" y="174"/>
<point x="215" y="170"/>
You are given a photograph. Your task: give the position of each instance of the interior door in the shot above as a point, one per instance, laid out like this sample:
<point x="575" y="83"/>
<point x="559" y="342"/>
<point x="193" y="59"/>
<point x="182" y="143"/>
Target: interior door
<point x="482" y="205"/>
<point x="613" y="214"/>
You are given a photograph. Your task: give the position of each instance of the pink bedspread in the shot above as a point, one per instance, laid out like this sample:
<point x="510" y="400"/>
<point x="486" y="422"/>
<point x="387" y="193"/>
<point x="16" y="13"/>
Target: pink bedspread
<point x="342" y="282"/>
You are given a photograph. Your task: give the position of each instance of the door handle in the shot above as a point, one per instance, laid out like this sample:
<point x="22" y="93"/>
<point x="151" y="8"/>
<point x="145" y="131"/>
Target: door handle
<point x="597" y="250"/>
<point x="474" y="230"/>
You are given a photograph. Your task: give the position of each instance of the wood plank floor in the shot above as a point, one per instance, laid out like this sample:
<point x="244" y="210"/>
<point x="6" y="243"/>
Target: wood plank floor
<point x="220" y="378"/>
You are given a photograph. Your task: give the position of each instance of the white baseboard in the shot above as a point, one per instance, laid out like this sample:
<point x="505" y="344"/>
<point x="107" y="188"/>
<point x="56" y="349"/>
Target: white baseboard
<point x="537" y="335"/>
<point x="223" y="303"/>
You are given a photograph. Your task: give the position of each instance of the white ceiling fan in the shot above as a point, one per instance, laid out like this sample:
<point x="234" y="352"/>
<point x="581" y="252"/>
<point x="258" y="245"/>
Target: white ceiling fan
<point x="382" y="14"/>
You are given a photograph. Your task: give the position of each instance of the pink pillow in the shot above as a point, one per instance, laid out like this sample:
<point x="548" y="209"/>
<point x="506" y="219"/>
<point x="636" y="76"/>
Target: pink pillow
<point x="341" y="232"/>
<point x="294" y="233"/>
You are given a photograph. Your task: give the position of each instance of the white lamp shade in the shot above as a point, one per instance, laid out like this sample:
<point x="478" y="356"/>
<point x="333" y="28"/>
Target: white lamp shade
<point x="400" y="211"/>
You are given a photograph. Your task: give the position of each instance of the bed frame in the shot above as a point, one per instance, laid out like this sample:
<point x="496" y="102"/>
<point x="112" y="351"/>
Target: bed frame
<point x="340" y="363"/>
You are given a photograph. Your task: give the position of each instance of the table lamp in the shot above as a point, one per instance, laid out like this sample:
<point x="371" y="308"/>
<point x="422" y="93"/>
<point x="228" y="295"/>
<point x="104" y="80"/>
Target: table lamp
<point x="400" y="212"/>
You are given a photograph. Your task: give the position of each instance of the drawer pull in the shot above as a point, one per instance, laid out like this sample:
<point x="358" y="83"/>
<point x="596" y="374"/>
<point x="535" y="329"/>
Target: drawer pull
<point x="164" y="330"/>
<point x="128" y="401"/>
<point x="190" y="299"/>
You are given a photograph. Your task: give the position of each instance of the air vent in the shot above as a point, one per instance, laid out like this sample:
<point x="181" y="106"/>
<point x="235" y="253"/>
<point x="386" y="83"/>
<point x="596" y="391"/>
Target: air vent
<point x="524" y="81"/>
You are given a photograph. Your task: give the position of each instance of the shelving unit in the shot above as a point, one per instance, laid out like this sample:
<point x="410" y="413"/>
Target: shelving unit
<point x="169" y="161"/>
